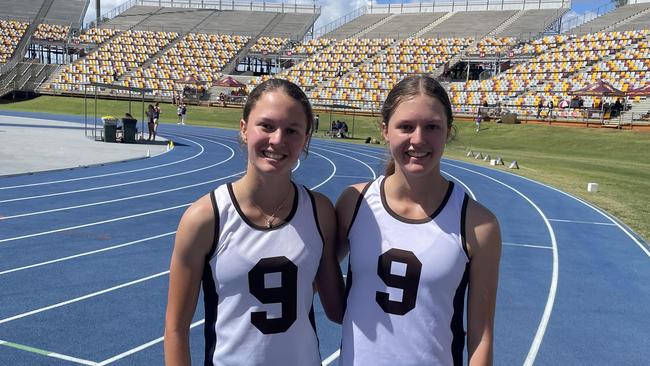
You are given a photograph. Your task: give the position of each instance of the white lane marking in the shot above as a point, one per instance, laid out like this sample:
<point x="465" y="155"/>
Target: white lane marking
<point x="142" y="347"/>
<point x="94" y="223"/>
<point x="331" y="175"/>
<point x="115" y="219"/>
<point x="88" y="296"/>
<point x="111" y="200"/>
<point x="467" y="189"/>
<point x="548" y="308"/>
<point x="374" y="176"/>
<point x="121" y="184"/>
<point x="583" y="222"/>
<point x="606" y="215"/>
<point x="87" y="253"/>
<point x="353" y="177"/>
<point x="527" y="245"/>
<point x="42" y="352"/>
<point x="110" y="174"/>
<point x="331" y="357"/>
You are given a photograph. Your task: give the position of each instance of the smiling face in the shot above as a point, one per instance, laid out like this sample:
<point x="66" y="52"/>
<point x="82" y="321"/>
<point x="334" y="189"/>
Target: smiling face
<point x="416" y="134"/>
<point x="275" y="134"/>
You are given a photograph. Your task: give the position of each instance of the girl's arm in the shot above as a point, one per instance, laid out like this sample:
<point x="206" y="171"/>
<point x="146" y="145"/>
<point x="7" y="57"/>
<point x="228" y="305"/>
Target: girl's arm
<point x="484" y="246"/>
<point x="329" y="281"/>
<point x="345" y="207"/>
<point x="193" y="242"/>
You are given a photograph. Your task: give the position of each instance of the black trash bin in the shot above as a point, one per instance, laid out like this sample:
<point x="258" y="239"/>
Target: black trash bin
<point x="129" y="129"/>
<point x="110" y="132"/>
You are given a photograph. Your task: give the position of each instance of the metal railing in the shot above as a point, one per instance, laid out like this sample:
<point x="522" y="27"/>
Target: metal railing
<point x="570" y="20"/>
<point x="340" y="21"/>
<point x="443" y="6"/>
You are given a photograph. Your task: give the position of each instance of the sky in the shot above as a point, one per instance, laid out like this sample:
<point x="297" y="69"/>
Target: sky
<point x="332" y="10"/>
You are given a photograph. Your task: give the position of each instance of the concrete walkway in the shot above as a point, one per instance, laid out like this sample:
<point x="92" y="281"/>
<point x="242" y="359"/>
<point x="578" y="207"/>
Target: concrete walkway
<point x="30" y="145"/>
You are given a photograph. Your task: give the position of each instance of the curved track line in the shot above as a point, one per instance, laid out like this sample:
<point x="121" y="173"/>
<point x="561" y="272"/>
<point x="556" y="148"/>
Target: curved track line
<point x="605" y="214"/>
<point x="548" y="308"/>
<point x="119" y="184"/>
<point x="112" y="200"/>
<point x="111" y="174"/>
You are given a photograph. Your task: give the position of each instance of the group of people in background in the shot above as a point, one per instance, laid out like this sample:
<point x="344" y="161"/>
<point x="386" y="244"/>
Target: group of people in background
<point x="421" y="251"/>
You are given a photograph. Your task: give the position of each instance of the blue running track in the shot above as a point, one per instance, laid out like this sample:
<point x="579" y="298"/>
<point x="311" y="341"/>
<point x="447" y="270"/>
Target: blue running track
<point x="84" y="258"/>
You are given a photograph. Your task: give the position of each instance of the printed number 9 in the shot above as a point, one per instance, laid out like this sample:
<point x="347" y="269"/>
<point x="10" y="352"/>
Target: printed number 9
<point x="285" y="294"/>
<point x="407" y="283"/>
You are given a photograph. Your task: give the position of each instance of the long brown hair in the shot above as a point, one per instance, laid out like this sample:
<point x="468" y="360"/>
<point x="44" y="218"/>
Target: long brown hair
<point x="408" y="88"/>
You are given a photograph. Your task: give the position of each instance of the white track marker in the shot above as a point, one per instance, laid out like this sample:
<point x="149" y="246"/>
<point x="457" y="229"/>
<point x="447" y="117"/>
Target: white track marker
<point x="46" y="353"/>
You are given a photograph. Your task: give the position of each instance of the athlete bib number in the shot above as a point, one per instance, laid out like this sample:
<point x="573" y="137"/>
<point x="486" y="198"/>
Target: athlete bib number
<point x="286" y="294"/>
<point x="408" y="283"/>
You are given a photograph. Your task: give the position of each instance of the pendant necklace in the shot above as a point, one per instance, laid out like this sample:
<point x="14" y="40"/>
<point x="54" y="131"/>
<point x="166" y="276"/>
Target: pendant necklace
<point x="270" y="219"/>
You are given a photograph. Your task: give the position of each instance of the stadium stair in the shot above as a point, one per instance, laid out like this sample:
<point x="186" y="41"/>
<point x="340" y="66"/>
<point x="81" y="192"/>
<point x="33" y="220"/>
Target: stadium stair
<point x="434" y="24"/>
<point x="495" y="32"/>
<point x="369" y="29"/>
<point x="611" y="27"/>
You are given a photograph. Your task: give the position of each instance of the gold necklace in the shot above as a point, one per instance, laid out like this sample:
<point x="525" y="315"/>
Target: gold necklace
<point x="270" y="219"/>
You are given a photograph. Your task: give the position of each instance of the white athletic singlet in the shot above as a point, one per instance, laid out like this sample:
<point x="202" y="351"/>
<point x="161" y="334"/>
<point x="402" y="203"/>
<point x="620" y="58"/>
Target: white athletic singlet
<point x="257" y="286"/>
<point x="406" y="284"/>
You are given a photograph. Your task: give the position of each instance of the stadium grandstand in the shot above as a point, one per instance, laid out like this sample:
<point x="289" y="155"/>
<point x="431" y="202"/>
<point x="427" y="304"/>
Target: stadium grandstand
<point x="509" y="55"/>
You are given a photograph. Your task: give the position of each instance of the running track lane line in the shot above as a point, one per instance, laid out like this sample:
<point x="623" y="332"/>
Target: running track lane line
<point x="548" y="308"/>
<point x="88" y="296"/>
<point x="87" y="253"/>
<point x="121" y="184"/>
<point x="47" y="353"/>
<point x="606" y="215"/>
<point x="111" y="174"/>
<point x="115" y="219"/>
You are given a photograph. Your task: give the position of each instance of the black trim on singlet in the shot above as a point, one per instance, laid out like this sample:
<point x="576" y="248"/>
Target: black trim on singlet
<point x="312" y="321"/>
<point x="313" y="206"/>
<point x="357" y="205"/>
<point x="457" y="329"/>
<point x="430" y="218"/>
<point x="348" y="286"/>
<point x="210" y="296"/>
<point x="248" y="222"/>
<point x="215" y="240"/>
<point x="210" y="302"/>
<point x="463" y="220"/>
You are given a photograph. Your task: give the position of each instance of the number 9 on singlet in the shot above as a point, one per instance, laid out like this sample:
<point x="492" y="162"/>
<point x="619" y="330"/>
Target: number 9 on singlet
<point x="408" y="282"/>
<point x="285" y="294"/>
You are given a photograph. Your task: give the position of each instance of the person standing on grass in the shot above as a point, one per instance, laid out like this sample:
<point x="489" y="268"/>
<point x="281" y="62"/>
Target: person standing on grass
<point x="417" y="242"/>
<point x="183" y="113"/>
<point x="260" y="247"/>
<point x="179" y="114"/>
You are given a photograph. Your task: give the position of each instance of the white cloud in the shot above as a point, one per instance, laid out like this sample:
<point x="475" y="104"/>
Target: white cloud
<point x="332" y="10"/>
